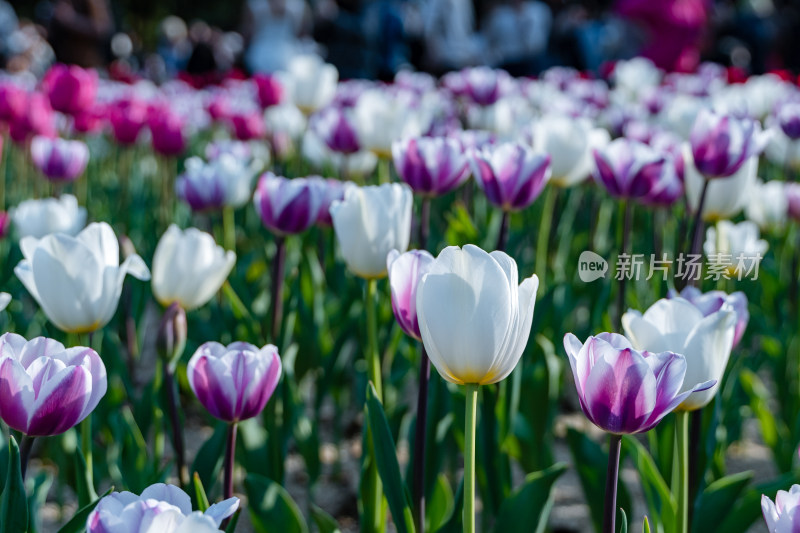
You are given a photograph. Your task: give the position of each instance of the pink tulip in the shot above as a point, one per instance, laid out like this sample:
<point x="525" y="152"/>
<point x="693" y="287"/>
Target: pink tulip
<point x="70" y="88"/>
<point x="5" y="224"/>
<point x="13" y="101"/>
<point x="167" y="130"/>
<point x="235" y="382"/>
<point x="46" y="389"/>
<point x="248" y="125"/>
<point x="37" y="119"/>
<point x="405" y="272"/>
<point x="59" y="159"/>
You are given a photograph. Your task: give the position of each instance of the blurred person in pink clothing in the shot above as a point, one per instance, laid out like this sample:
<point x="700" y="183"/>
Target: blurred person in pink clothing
<point x="674" y="29"/>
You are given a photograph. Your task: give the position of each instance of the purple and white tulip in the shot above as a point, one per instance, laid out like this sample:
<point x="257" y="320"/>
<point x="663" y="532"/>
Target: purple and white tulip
<point x="330" y="190"/>
<point x="59" y="159"/>
<point x="511" y="175"/>
<point x="405" y="272"/>
<point x="789" y="120"/>
<point x="782" y="515"/>
<point x="722" y="143"/>
<point x="287" y="206"/>
<point x="712" y="301"/>
<point x="160" y="509"/>
<point x="46" y="389"/>
<point x="335" y="127"/>
<point x="622" y="390"/>
<point x="223" y="181"/>
<point x="631" y="169"/>
<point x="234" y="382"/>
<point x="431" y="166"/>
<point x="792" y="192"/>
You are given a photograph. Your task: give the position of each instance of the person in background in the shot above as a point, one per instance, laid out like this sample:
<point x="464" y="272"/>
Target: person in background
<point x="450" y="37"/>
<point x="272" y="30"/>
<point x="674" y="27"/>
<point x="517" y="32"/>
<point x="79" y="31"/>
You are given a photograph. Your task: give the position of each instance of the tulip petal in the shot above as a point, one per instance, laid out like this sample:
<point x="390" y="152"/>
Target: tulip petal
<point x="222" y="510"/>
<point x="170" y="494"/>
<point x="707" y="350"/>
<point x="16" y="394"/>
<point x="61" y="402"/>
<point x="100" y="239"/>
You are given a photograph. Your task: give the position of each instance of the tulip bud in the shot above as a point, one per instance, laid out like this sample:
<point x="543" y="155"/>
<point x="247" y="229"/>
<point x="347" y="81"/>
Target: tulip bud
<point x="171" y="340"/>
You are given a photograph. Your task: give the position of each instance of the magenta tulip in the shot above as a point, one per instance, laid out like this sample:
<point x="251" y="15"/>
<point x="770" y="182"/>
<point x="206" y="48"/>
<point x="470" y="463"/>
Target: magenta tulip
<point x="287" y="206"/>
<point x="622" y="390"/>
<point x="511" y="175"/>
<point x="70" y="88"/>
<point x="710" y="302"/>
<point x="234" y="382"/>
<point x="270" y="90"/>
<point x="46" y="389"/>
<point x="722" y="143"/>
<point x="167" y="130"/>
<point x="792" y="191"/>
<point x="5" y="224"/>
<point x="248" y="125"/>
<point x="405" y="272"/>
<point x="431" y="166"/>
<point x="37" y="119"/>
<point x="127" y="118"/>
<point x="59" y="159"/>
<point x="13" y="101"/>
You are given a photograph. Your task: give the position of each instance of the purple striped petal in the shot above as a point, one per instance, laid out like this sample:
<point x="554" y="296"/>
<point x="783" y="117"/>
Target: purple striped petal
<point x="61" y="402"/>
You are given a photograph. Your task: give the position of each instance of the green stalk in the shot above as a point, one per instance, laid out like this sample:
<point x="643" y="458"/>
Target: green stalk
<point x="469" y="457"/>
<point x="373" y="355"/>
<point x="682" y="491"/>
<point x="229" y="227"/>
<point x="543" y="240"/>
<point x="384" y="170"/>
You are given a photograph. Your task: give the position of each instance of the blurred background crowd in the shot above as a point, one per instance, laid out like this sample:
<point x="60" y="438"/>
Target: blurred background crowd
<point x="204" y="40"/>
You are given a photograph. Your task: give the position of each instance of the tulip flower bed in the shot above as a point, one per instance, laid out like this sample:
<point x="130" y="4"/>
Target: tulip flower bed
<point x="222" y="306"/>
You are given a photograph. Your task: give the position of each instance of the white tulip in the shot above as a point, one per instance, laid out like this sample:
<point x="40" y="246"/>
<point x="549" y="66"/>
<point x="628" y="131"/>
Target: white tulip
<point x="285" y="119"/>
<point x="725" y="197"/>
<point x="740" y="241"/>
<point x="37" y="218"/>
<point x="768" y="205"/>
<point x="569" y="142"/>
<point x="5" y="299"/>
<point x="310" y="82"/>
<point x="316" y="152"/>
<point x="369" y="223"/>
<point x="222" y="181"/>
<point x="381" y="118"/>
<point x="781" y="150"/>
<point x="632" y="76"/>
<point x="474" y="316"/>
<point x="680" y="114"/>
<point x="77" y="281"/>
<point x="189" y="267"/>
<point x="675" y="325"/>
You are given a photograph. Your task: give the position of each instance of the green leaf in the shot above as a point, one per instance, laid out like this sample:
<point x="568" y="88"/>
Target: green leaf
<point x="748" y="509"/>
<point x="646" y="525"/>
<point x="528" y="507"/>
<point x="660" y="502"/>
<point x="41" y="486"/>
<point x="77" y="524"/>
<point x="717" y="500"/>
<point x="440" y="505"/>
<point x="453" y="524"/>
<point x="83" y="484"/>
<point x="200" y="493"/>
<point x="623" y="525"/>
<point x="325" y="522"/>
<point x="386" y="460"/>
<point x="14" y="504"/>
<point x="233" y="521"/>
<point x="208" y="461"/>
<point x="272" y="510"/>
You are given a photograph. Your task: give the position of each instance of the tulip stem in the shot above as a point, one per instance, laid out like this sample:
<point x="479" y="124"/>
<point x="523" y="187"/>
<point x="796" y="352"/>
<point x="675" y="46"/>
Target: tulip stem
<point x="229" y="227"/>
<point x="278" y="273"/>
<point x="373" y="355"/>
<point x="502" y="237"/>
<point x="25" y="446"/>
<point x="627" y="220"/>
<point x="384" y="170"/>
<point x="697" y="228"/>
<point x="545" y="225"/>
<point x="173" y="407"/>
<point x="86" y="449"/>
<point x="612" y="476"/>
<point x="682" y="495"/>
<point x="419" y="439"/>
<point x="469" y="457"/>
<point x="230" y="456"/>
<point x="424" y="222"/>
